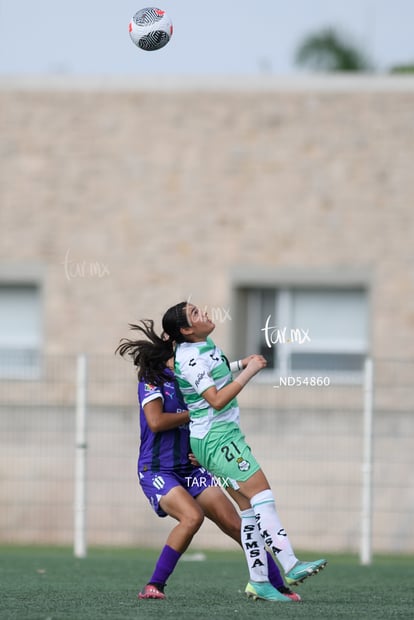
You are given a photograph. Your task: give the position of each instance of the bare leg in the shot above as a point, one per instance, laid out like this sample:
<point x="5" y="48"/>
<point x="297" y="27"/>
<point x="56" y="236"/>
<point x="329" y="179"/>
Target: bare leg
<point x="179" y="504"/>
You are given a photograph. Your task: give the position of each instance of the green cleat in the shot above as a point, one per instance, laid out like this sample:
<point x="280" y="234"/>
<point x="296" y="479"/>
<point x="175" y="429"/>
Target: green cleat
<point x="265" y="591"/>
<point x="303" y="570"/>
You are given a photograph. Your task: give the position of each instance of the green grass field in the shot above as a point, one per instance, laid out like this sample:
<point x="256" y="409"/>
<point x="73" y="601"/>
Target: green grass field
<point x="50" y="584"/>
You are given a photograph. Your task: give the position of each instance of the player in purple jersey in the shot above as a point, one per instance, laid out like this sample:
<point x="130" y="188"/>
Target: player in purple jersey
<point x="172" y="484"/>
<point x="172" y="445"/>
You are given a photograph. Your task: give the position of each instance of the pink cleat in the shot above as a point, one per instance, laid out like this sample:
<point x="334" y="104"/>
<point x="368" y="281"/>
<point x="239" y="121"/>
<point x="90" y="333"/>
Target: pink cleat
<point x="151" y="591"/>
<point x="294" y="596"/>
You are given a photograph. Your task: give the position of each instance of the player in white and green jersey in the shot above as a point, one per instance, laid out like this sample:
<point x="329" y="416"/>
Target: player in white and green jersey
<point x="210" y="391"/>
<point x="198" y="366"/>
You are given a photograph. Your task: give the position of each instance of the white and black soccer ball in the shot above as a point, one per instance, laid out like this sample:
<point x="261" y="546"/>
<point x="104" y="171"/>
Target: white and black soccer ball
<point x="150" y="29"/>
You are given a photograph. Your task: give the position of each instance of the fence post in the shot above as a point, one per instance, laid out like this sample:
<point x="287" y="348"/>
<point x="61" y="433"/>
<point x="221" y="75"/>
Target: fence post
<point x="366" y="513"/>
<point x="80" y="548"/>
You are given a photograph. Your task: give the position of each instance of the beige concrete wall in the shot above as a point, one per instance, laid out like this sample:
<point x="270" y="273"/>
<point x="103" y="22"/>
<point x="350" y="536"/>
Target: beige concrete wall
<point x="131" y="198"/>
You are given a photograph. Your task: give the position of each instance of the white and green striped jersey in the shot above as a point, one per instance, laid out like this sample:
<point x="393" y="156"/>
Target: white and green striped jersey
<point x="198" y="366"/>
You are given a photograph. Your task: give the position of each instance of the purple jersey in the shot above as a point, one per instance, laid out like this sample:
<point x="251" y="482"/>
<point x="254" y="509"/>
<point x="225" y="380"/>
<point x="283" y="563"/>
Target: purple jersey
<point x="167" y="450"/>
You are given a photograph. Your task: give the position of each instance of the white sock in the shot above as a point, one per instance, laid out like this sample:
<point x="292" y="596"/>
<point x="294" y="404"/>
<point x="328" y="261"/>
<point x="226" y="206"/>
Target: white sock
<point x="271" y="529"/>
<point x="253" y="546"/>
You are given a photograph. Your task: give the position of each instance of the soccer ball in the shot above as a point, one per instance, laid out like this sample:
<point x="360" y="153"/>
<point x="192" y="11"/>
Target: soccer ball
<point x="150" y="29"/>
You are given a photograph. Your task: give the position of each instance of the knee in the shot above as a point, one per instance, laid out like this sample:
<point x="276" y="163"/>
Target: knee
<point x="193" y="520"/>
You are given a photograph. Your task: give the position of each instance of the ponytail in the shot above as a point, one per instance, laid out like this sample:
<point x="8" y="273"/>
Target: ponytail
<point x="151" y="355"/>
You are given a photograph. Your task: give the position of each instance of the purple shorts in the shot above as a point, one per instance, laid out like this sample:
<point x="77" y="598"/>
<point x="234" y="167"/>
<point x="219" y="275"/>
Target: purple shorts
<point x="155" y="484"/>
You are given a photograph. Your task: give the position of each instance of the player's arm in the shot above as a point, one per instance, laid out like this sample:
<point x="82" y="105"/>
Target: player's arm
<point x="158" y="420"/>
<point x="220" y="398"/>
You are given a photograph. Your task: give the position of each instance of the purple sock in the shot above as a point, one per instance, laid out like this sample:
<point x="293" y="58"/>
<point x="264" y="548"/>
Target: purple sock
<point x="165" y="565"/>
<point x="275" y="577"/>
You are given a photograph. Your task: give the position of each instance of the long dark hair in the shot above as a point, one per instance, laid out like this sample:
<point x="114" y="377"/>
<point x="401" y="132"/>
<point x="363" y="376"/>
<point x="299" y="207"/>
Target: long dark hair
<point x="150" y="355"/>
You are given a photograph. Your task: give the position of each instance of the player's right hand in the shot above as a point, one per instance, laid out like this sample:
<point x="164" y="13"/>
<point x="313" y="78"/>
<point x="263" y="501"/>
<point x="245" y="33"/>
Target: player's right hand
<point x="256" y="362"/>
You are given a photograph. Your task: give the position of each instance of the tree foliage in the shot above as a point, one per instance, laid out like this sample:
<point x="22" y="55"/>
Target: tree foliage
<point x="405" y="68"/>
<point x="329" y="50"/>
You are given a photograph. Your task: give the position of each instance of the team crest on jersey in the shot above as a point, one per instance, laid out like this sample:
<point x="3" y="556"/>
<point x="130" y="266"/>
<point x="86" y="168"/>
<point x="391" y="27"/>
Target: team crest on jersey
<point x="243" y="464"/>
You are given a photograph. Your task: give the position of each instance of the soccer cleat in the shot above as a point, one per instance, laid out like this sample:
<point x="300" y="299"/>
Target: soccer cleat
<point x="303" y="570"/>
<point x="294" y="596"/>
<point x="151" y="591"/>
<point x="265" y="591"/>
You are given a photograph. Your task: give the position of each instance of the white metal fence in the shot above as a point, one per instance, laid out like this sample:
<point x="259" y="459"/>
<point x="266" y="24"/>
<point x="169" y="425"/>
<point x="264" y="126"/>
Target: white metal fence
<point x="339" y="459"/>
